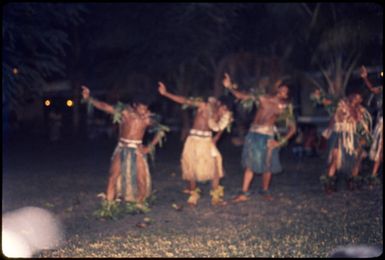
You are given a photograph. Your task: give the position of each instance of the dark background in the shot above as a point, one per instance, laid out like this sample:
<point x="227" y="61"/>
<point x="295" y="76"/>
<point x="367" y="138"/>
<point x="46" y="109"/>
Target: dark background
<point x="121" y="50"/>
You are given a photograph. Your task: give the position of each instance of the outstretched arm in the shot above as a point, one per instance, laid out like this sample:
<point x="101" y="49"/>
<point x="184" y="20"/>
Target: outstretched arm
<point x="178" y="99"/>
<point x="96" y="103"/>
<point x="227" y="83"/>
<point x="364" y="76"/>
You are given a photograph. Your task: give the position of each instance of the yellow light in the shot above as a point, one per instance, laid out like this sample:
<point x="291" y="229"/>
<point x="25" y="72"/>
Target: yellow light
<point x="382" y="73"/>
<point x="47" y="102"/>
<point x="70" y="103"/>
<point x="15" y="71"/>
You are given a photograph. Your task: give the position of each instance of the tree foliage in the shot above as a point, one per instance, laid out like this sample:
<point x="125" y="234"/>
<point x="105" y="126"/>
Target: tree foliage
<point x="337" y="36"/>
<point x="34" y="44"/>
<point x="326" y="37"/>
<point x="162" y="40"/>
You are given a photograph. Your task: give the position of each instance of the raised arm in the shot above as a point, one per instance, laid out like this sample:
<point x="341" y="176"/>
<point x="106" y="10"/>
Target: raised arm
<point x="96" y="103"/>
<point x="178" y="99"/>
<point x="227" y="83"/>
<point x="364" y="76"/>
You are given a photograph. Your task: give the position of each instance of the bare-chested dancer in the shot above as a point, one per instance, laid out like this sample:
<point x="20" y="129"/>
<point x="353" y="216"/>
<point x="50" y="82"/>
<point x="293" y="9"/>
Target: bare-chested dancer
<point x="201" y="160"/>
<point x="129" y="172"/>
<point x="260" y="150"/>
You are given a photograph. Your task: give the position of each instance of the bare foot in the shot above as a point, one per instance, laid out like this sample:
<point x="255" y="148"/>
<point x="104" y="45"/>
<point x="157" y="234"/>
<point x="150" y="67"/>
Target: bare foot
<point x="192" y="204"/>
<point x="219" y="203"/>
<point x="267" y="197"/>
<point x="329" y="191"/>
<point x="240" y="198"/>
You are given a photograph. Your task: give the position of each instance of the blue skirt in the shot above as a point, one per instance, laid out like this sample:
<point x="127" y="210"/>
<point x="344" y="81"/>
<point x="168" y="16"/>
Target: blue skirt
<point x="255" y="154"/>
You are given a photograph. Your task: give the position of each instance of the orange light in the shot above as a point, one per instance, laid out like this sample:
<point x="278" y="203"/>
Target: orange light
<point x="70" y="103"/>
<point x="47" y="103"/>
<point x="382" y="73"/>
<point x="15" y="71"/>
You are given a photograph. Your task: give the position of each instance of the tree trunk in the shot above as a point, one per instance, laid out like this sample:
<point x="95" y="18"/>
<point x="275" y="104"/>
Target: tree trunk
<point x="75" y="78"/>
<point x="219" y="75"/>
<point x="182" y="88"/>
<point x="76" y="108"/>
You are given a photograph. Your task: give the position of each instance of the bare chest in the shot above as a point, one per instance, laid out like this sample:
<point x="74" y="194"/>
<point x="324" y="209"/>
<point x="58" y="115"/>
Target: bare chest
<point x="134" y="120"/>
<point x="273" y="107"/>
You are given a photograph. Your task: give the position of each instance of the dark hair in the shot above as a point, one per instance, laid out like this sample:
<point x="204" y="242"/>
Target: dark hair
<point x="284" y="84"/>
<point x="226" y="100"/>
<point x="354" y="94"/>
<point x="276" y="88"/>
<point x="141" y="98"/>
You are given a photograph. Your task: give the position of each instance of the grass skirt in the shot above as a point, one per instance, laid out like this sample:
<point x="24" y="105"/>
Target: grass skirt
<point x="134" y="181"/>
<point x="345" y="160"/>
<point x="201" y="159"/>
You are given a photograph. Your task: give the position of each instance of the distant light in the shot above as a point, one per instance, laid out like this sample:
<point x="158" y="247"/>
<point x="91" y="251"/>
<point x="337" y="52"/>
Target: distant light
<point x="70" y="103"/>
<point x="382" y="73"/>
<point x="47" y="103"/>
<point x="15" y="71"/>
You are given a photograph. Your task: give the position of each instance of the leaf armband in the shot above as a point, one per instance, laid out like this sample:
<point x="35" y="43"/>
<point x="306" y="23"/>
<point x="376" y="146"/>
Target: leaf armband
<point x="117" y="116"/>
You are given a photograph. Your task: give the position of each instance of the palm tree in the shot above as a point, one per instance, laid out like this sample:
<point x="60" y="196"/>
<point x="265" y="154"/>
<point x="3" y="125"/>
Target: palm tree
<point x="337" y="35"/>
<point x="199" y="32"/>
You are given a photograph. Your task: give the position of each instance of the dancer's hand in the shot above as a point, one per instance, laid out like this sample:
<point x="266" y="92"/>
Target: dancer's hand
<point x="162" y="88"/>
<point x="327" y="102"/>
<point x="271" y="144"/>
<point x="144" y="149"/>
<point x="227" y="81"/>
<point x="85" y="92"/>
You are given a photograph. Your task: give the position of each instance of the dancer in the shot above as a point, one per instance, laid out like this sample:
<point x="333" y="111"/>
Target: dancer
<point x="347" y="134"/>
<point x="261" y="148"/>
<point x="201" y="160"/>
<point x="129" y="175"/>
